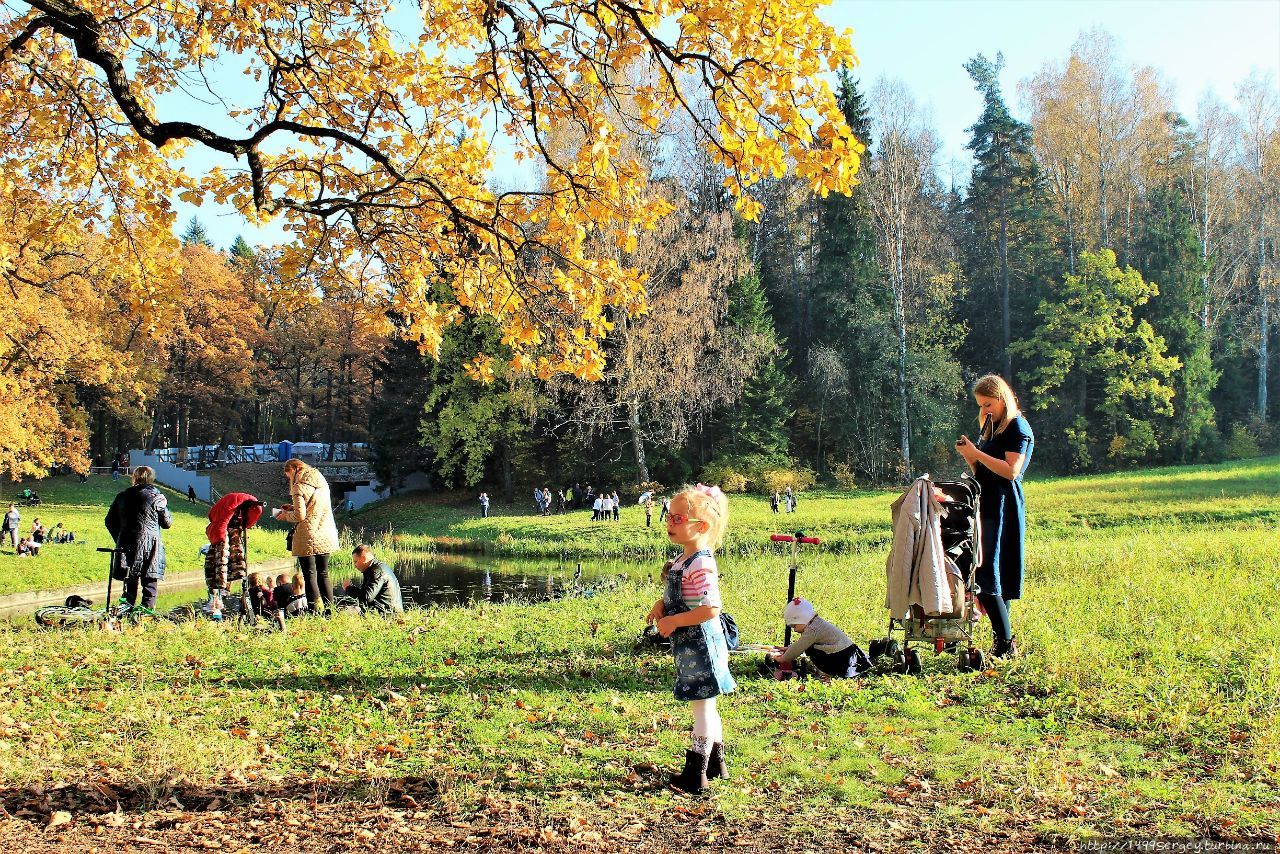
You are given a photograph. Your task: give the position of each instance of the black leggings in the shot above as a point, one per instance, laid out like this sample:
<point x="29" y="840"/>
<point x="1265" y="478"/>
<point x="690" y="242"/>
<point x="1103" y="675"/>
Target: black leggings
<point x="315" y="572"/>
<point x="998" y="610"/>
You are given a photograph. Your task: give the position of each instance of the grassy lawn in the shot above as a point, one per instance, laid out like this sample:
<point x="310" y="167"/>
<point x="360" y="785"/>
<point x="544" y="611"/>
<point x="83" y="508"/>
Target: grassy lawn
<point x="1240" y="493"/>
<point x="82" y="508"/>
<point x="1146" y="703"/>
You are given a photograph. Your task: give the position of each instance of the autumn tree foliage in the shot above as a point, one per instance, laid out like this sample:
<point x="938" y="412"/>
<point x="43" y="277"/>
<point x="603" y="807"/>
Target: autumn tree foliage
<point x="371" y="133"/>
<point x="68" y="339"/>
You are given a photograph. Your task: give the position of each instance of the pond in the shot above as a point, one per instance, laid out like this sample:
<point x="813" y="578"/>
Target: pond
<point x="445" y="579"/>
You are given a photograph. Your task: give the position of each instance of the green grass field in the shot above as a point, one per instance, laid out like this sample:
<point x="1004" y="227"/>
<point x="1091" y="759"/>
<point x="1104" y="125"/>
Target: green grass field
<point x="82" y="508"/>
<point x="1145" y="704"/>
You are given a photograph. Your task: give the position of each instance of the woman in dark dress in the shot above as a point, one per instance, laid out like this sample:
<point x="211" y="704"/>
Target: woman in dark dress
<point x="998" y="461"/>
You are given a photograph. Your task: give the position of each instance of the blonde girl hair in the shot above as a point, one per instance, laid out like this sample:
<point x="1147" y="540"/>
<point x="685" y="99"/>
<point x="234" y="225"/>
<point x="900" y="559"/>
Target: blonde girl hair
<point x="298" y="585"/>
<point x="994" y="386"/>
<point x="144" y="475"/>
<point x="709" y="505"/>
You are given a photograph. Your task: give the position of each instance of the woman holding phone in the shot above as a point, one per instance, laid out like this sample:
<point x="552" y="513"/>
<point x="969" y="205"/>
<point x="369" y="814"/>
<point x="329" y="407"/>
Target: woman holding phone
<point x="998" y="462"/>
<point x="316" y="534"/>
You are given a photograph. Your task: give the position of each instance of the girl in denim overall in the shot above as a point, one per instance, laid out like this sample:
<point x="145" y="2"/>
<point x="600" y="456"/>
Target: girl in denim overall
<point x="689" y="614"/>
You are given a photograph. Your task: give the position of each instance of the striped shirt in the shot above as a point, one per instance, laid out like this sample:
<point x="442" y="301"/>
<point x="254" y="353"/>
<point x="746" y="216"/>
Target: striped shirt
<point x="700" y="584"/>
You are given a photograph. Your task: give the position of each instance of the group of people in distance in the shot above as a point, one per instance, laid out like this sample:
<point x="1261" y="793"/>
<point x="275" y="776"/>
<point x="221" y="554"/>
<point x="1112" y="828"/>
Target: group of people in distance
<point x="30" y="545"/>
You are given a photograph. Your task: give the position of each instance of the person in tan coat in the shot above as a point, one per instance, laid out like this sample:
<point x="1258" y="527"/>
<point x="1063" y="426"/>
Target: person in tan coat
<point x="316" y="534"/>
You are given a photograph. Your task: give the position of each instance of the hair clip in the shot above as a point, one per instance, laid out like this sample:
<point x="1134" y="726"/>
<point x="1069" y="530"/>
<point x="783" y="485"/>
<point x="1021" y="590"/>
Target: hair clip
<point x="713" y="491"/>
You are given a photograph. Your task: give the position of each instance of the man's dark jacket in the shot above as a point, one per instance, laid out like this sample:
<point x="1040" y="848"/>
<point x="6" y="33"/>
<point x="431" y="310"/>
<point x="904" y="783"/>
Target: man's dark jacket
<point x="379" y="589"/>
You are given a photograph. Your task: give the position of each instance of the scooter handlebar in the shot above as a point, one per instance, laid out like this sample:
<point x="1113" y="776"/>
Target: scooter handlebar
<point x="814" y="540"/>
<point x="782" y="538"/>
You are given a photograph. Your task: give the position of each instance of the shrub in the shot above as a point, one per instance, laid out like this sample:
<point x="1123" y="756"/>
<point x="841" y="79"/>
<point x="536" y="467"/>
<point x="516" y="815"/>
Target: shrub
<point x="1242" y="443"/>
<point x="727" y="474"/>
<point x="844" y="477"/>
<point x="777" y="479"/>
<point x="641" y="488"/>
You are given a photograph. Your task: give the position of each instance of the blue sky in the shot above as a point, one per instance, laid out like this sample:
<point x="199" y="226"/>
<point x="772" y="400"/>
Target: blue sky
<point x="1196" y="44"/>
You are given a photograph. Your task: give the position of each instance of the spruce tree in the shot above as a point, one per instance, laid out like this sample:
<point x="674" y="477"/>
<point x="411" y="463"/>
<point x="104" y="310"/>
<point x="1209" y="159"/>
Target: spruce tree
<point x="1168" y="253"/>
<point x="241" y="253"/>
<point x="853" y="323"/>
<point x="196" y="235"/>
<point x="758" y="422"/>
<point x="1007" y="221"/>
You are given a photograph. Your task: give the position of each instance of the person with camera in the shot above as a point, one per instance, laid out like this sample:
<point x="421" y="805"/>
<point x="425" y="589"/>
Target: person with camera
<point x="998" y="462"/>
<point x="134" y="521"/>
<point x="315" y="535"/>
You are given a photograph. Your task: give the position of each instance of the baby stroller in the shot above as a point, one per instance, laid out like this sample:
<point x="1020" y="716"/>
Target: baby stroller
<point x="960" y="532"/>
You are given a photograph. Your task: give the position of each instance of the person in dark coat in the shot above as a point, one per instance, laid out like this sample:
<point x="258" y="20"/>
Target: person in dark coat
<point x="134" y="521"/>
<point x="379" y="588"/>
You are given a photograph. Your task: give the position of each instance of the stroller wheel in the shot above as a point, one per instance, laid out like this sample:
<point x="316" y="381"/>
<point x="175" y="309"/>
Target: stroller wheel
<point x="891" y="648"/>
<point x="976" y="659"/>
<point x="877" y="647"/>
<point x="899" y="662"/>
<point x="913" y="661"/>
<point x="962" y="660"/>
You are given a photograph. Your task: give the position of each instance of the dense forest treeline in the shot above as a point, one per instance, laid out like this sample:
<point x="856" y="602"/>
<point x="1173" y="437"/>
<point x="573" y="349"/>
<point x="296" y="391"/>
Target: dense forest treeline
<point x="1115" y="259"/>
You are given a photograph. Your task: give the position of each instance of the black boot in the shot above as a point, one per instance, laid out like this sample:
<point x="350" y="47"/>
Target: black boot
<point x="716" y="766"/>
<point x="1006" y="649"/>
<point x="693" y="779"/>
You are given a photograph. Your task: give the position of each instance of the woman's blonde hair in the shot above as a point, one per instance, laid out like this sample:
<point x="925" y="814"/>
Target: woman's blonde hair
<point x="298" y="584"/>
<point x="293" y="467"/>
<point x="144" y="475"/>
<point x="994" y="386"/>
<point x="709" y="505"/>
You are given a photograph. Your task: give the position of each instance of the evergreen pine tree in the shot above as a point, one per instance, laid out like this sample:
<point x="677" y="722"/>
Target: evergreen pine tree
<point x="848" y="372"/>
<point x="241" y="253"/>
<point x="396" y="412"/>
<point x="196" y="235"/>
<point x="758" y="422"/>
<point x="1009" y="258"/>
<point x="1168" y="253"/>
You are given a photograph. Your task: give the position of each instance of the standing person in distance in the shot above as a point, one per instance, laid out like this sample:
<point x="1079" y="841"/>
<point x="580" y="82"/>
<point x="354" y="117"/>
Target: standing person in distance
<point x="484" y="505"/>
<point x="689" y="614"/>
<point x="998" y="462"/>
<point x="134" y="521"/>
<point x="316" y="534"/>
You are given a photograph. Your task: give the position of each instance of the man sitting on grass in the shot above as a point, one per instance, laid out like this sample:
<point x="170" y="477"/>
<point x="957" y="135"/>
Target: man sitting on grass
<point x="379" y="589"/>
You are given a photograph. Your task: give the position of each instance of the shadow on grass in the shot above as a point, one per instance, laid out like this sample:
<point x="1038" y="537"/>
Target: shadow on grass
<point x="531" y="670"/>
<point x="101" y="796"/>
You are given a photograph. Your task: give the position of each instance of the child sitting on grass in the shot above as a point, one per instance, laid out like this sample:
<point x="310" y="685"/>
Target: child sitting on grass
<point x="828" y="648"/>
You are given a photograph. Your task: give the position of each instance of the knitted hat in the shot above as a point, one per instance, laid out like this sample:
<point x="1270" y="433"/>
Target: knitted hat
<point x="798" y="612"/>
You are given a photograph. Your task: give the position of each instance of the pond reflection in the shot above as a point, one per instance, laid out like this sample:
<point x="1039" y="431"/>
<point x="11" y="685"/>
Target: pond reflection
<point x="436" y="579"/>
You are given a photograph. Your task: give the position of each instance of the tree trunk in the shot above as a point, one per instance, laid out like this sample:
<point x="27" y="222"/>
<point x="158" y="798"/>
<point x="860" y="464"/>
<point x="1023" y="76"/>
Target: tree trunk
<point x="900" y="316"/>
<point x="1264" y="322"/>
<point x="1007" y="360"/>
<point x="1204" y="259"/>
<point x="637" y="441"/>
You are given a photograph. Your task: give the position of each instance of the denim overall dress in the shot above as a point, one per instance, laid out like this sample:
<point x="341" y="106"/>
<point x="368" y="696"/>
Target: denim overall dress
<point x="701" y="653"/>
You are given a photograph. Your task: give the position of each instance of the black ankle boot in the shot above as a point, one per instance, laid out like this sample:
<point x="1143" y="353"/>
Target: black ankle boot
<point x="693" y="779"/>
<point x="716" y="766"/>
<point x="1006" y="649"/>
